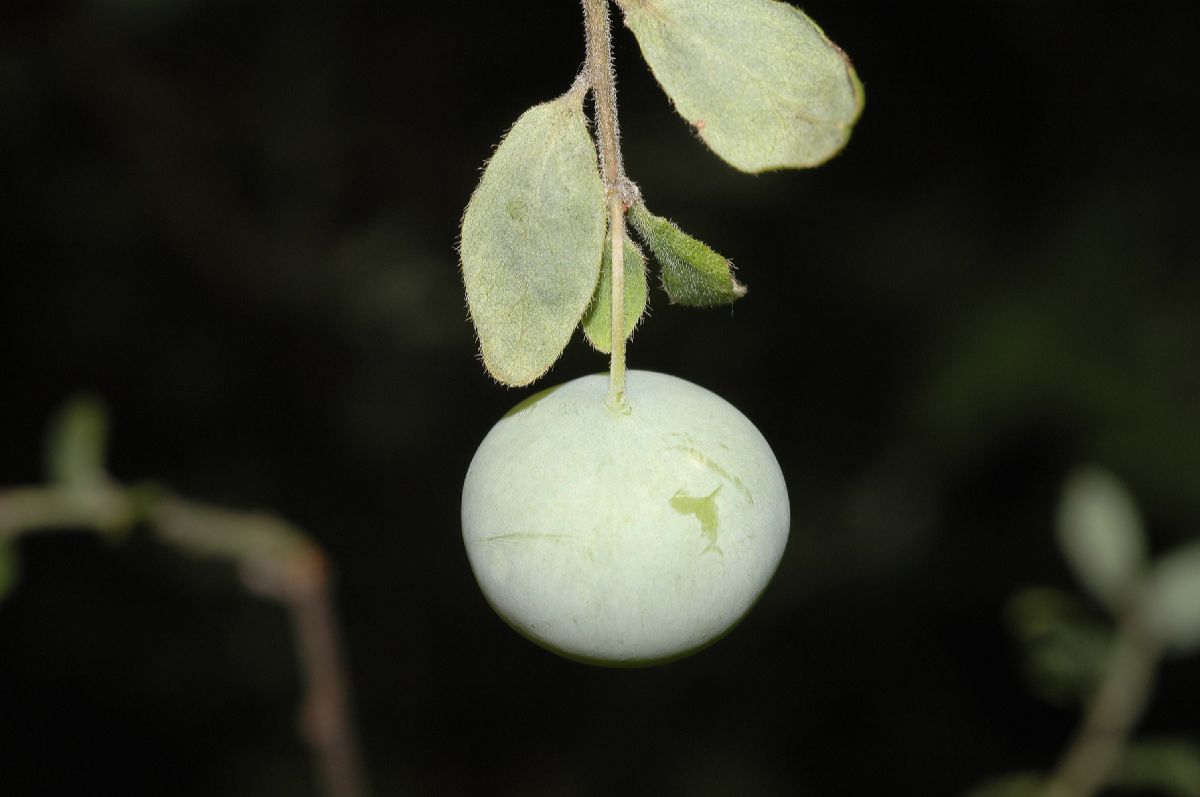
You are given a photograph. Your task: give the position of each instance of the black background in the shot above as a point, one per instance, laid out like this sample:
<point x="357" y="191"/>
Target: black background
<point x="235" y="221"/>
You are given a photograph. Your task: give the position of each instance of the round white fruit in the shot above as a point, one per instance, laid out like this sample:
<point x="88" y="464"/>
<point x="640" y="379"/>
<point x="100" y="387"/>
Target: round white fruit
<point x="624" y="539"/>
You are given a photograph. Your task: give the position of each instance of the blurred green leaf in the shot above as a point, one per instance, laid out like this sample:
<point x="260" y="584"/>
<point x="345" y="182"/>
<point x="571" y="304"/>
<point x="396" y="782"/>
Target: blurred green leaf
<point x="757" y="79"/>
<point x="1101" y="536"/>
<point x="1064" y="648"/>
<point x="532" y="240"/>
<point x="77" y="443"/>
<point x="1166" y="766"/>
<point x="1019" y="784"/>
<point x="8" y="568"/>
<point x="1172" y="598"/>
<point x="692" y="274"/>
<point x="597" y="321"/>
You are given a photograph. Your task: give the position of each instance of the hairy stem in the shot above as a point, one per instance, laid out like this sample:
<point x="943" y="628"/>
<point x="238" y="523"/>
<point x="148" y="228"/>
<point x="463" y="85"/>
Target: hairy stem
<point x="600" y="76"/>
<point x="616" y="366"/>
<point x="276" y="561"/>
<point x="1089" y="760"/>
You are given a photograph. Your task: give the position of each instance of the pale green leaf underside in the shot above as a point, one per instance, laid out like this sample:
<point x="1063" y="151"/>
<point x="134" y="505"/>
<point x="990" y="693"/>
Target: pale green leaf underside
<point x="597" y="321"/>
<point x="692" y="274"/>
<point x="759" y="81"/>
<point x="532" y="238"/>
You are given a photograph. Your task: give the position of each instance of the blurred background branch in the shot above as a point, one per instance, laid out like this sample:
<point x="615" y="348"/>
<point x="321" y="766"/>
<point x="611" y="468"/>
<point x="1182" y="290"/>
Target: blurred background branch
<point x="1104" y="734"/>
<point x="275" y="560"/>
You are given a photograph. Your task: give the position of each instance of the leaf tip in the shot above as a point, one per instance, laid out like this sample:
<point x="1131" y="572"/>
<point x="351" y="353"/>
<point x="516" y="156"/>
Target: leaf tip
<point x="738" y="289"/>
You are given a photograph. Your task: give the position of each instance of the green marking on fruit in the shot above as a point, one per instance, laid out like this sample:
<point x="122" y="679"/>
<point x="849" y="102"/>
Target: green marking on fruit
<point x="519" y="536"/>
<point x="705" y="510"/>
<point x="699" y="457"/>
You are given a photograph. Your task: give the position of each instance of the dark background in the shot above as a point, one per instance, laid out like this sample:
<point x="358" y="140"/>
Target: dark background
<point x="235" y="220"/>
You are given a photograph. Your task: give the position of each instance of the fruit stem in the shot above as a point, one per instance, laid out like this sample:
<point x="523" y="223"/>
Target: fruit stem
<point x="601" y="78"/>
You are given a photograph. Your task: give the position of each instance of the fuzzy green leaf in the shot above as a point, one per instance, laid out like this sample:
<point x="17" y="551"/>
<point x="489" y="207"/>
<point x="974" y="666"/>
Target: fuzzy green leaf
<point x="1172" y="598"/>
<point x="1101" y="536"/>
<point x="692" y="274"/>
<point x="757" y="79"/>
<point x="532" y="238"/>
<point x="597" y="322"/>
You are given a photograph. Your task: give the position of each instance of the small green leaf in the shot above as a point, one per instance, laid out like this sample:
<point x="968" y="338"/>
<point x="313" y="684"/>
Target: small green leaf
<point x="757" y="79"/>
<point x="77" y="443"/>
<point x="532" y="238"/>
<point x="1170" y="767"/>
<point x="1172" y="598"/>
<point x="8" y="568"/>
<point x="1100" y="533"/>
<point x="692" y="274"/>
<point x="597" y="321"/>
<point x="1064" y="647"/>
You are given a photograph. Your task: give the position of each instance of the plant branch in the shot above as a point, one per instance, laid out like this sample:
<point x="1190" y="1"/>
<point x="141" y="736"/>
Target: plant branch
<point x="1088" y="762"/>
<point x="275" y="559"/>
<point x="103" y="509"/>
<point x="619" y="192"/>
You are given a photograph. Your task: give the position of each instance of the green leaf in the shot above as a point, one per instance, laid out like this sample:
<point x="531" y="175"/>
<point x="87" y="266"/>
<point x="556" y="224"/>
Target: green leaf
<point x="532" y="238"/>
<point x="77" y="443"/>
<point x="757" y="79"/>
<point x="8" y="568"/>
<point x="692" y="274"/>
<point x="597" y="322"/>
<point x="1172" y="598"/>
<point x="1064" y="647"/>
<point x="1169" y="767"/>
<point x="1101" y="536"/>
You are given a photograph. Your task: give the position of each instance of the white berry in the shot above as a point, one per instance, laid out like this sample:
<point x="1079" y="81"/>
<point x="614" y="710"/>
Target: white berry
<point x="624" y="539"/>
